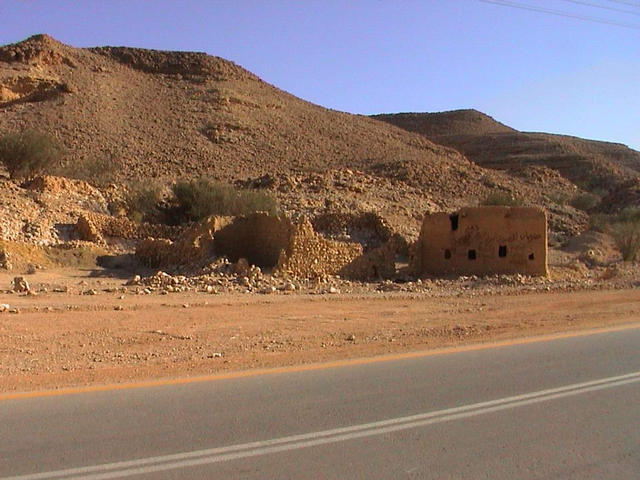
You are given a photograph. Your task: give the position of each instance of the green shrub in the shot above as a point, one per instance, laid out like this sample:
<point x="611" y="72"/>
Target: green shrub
<point x="626" y="234"/>
<point x="501" y="198"/>
<point x="559" y="198"/>
<point x="585" y="201"/>
<point x="143" y="202"/>
<point x="629" y="214"/>
<point x="99" y="171"/>
<point x="28" y="153"/>
<point x="600" y="222"/>
<point x="197" y="199"/>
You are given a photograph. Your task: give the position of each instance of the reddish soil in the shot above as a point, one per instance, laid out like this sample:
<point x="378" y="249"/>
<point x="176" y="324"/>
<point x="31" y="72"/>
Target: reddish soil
<point x="67" y="340"/>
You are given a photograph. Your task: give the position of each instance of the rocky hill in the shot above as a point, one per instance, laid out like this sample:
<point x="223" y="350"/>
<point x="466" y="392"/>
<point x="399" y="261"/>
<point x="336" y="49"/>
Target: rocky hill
<point x="601" y="167"/>
<point x="149" y="114"/>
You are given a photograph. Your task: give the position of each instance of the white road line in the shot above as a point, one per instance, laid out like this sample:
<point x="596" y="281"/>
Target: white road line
<point x="233" y="452"/>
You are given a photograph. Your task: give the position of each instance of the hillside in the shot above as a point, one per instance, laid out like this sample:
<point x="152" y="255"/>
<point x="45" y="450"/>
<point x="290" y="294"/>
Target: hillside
<point x="601" y="167"/>
<point x="158" y="115"/>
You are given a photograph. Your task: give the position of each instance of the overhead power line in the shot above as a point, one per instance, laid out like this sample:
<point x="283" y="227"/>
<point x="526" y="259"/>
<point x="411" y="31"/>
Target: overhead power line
<point x="595" y="5"/>
<point x="622" y="2"/>
<point x="561" y="13"/>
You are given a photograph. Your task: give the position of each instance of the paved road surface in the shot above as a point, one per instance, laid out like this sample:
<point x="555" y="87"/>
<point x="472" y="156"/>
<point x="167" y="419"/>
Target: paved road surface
<point x="565" y="408"/>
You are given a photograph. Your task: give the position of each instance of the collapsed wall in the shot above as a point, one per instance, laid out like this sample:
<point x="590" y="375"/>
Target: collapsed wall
<point x="368" y="228"/>
<point x="96" y="227"/>
<point x="195" y="244"/>
<point x="271" y="242"/>
<point x="309" y="255"/>
<point x="483" y="241"/>
<point x="258" y="237"/>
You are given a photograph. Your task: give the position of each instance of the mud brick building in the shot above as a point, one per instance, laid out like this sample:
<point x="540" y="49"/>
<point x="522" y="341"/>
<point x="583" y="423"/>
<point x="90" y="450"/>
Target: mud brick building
<point x="483" y="241"/>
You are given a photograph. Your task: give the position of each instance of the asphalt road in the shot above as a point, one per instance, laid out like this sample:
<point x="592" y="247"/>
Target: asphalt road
<point x="564" y="408"/>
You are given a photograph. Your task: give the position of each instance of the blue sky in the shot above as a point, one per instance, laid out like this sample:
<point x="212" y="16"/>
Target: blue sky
<point x="531" y="70"/>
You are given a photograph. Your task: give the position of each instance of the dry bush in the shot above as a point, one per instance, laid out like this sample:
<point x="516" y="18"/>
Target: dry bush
<point x="197" y="199"/>
<point x="600" y="222"/>
<point x="624" y="228"/>
<point x="100" y="171"/>
<point x="626" y="234"/>
<point x="501" y="198"/>
<point x="143" y="202"/>
<point x="28" y="153"/>
<point x="585" y="201"/>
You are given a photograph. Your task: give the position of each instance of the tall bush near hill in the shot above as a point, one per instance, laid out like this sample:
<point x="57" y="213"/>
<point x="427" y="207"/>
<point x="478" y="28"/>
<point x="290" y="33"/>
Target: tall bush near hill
<point x="197" y="199"/>
<point x="627" y="238"/>
<point x="625" y="230"/>
<point x="28" y="153"/>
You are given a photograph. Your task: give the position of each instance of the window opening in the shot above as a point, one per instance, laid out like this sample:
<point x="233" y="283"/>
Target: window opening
<point x="472" y="254"/>
<point x="454" y="221"/>
<point x="447" y="254"/>
<point x="502" y="251"/>
<point x="531" y="256"/>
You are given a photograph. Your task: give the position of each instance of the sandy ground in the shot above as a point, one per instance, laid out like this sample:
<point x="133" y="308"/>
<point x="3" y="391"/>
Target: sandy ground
<point x="67" y="339"/>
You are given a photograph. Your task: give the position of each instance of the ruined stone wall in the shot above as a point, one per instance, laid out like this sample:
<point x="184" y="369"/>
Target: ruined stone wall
<point x="258" y="237"/>
<point x="196" y="243"/>
<point x="268" y="241"/>
<point x="95" y="227"/>
<point x="483" y="241"/>
<point x="309" y="255"/>
<point x="368" y="228"/>
<point x="376" y="263"/>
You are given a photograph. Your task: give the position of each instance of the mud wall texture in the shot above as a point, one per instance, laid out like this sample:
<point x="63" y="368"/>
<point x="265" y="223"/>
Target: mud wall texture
<point x="483" y="241"/>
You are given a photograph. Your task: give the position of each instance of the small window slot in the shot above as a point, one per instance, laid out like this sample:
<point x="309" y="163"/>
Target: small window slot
<point x="454" y="221"/>
<point x="471" y="254"/>
<point x="447" y="254"/>
<point x="502" y="251"/>
<point x="531" y="256"/>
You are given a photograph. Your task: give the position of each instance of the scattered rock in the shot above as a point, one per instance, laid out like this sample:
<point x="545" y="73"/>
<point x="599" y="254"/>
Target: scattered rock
<point x="20" y="285"/>
<point x="134" y="281"/>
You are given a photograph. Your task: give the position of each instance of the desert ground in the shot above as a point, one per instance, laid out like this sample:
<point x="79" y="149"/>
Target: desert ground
<point x="82" y="328"/>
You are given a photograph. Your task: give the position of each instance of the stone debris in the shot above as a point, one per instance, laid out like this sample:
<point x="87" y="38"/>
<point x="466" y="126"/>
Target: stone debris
<point x="20" y="285"/>
<point x="5" y="260"/>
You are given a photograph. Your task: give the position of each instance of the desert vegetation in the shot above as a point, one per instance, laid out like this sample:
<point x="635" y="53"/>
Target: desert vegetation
<point x="143" y="202"/>
<point x="624" y="228"/>
<point x="199" y="198"/>
<point x="99" y="171"/>
<point x="501" y="198"/>
<point x="191" y="200"/>
<point x="585" y="201"/>
<point x="27" y="153"/>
